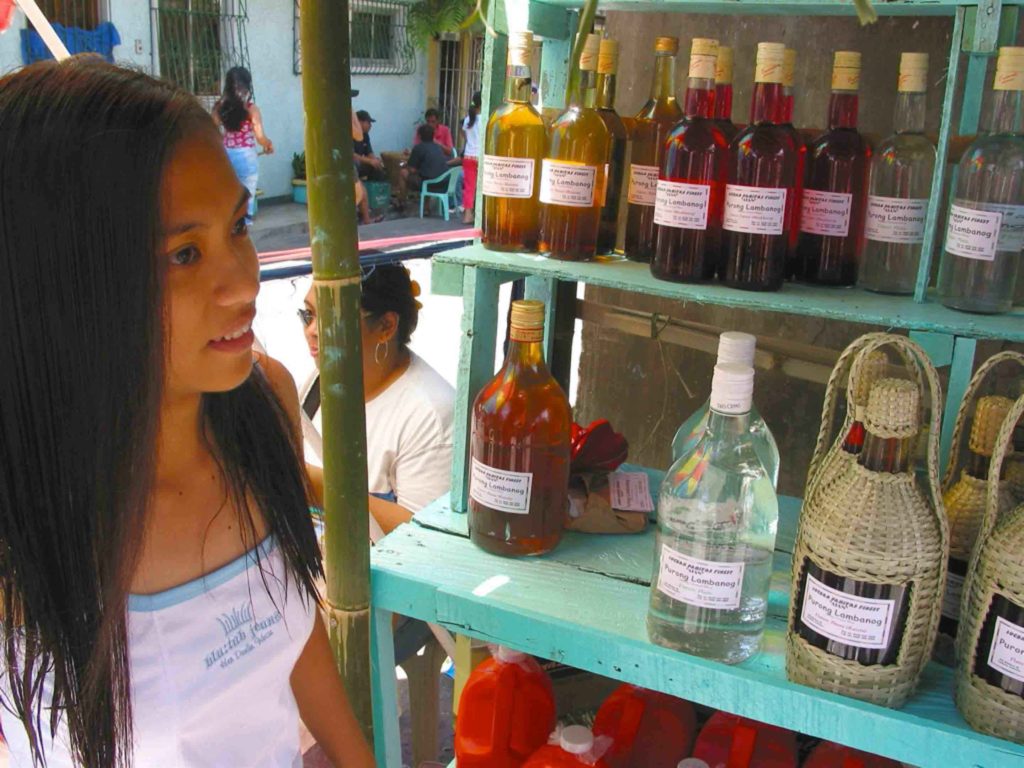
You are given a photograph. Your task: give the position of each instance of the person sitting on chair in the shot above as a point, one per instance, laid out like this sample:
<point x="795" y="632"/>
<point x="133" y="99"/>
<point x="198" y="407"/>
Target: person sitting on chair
<point x="426" y="162"/>
<point x="442" y="134"/>
<point x="370" y="167"/>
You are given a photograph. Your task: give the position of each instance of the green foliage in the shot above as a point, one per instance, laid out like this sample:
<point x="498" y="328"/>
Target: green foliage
<point x="299" y="165"/>
<point x="429" y="18"/>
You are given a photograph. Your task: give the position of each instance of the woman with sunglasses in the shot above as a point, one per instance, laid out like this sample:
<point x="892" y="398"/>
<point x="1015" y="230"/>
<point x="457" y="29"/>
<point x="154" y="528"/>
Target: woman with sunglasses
<point x="409" y="405"/>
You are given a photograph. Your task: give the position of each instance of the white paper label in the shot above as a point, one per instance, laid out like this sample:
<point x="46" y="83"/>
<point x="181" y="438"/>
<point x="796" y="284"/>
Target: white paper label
<point x="895" y="219"/>
<point x="1007" y="652"/>
<point x="951" y="599"/>
<point x="508" y="176"/>
<point x="643" y="184"/>
<point x="501" y="489"/>
<point x="1011" y="228"/>
<point x="703" y="583"/>
<point x="681" y="205"/>
<point x="630" y="491"/>
<point x="862" y="622"/>
<point x="826" y="213"/>
<point x="972" y="234"/>
<point x="570" y="184"/>
<point x="755" y="210"/>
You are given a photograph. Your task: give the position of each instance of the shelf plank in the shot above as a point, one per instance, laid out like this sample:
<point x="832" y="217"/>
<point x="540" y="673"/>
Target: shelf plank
<point x="784" y="7"/>
<point x="559" y="608"/>
<point x="847" y="304"/>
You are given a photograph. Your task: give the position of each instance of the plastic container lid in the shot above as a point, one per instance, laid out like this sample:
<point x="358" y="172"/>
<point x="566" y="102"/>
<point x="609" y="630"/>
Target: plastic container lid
<point x="732" y="388"/>
<point x="576" y="740"/>
<point x="736" y="347"/>
<point x="508" y="655"/>
<point x="693" y="762"/>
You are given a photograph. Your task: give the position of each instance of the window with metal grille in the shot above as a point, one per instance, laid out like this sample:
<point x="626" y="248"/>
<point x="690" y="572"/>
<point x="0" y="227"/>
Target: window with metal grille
<point x="460" y="75"/>
<point x="379" y="43"/>
<point x="83" y="14"/>
<point x="199" y="40"/>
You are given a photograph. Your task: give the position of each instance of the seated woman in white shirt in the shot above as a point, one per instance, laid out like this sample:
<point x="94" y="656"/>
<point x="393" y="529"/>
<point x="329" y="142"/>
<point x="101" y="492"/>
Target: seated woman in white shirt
<point x="409" y="406"/>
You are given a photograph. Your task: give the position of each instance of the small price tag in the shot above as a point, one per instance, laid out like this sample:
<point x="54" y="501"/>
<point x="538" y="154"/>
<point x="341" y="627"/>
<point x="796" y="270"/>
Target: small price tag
<point x="630" y="492"/>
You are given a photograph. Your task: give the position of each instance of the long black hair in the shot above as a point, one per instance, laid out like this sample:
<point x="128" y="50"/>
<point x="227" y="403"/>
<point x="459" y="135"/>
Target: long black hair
<point x="233" y="107"/>
<point x="474" y="110"/>
<point x="83" y="145"/>
<point x="389" y="288"/>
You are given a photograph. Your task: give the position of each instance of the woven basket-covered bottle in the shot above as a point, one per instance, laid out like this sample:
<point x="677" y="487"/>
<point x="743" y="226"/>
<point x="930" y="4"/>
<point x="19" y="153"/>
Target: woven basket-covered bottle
<point x="990" y="643"/>
<point x="870" y="556"/>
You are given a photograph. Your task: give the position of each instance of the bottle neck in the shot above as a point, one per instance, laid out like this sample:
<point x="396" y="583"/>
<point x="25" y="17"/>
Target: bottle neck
<point x="909" y="115"/>
<point x="767" y="104"/>
<point x="606" y="91"/>
<point x="885" y="454"/>
<point x="586" y="97"/>
<point x="525" y="354"/>
<point x="518" y="84"/>
<point x="663" y="87"/>
<point x="1006" y="112"/>
<point x="723" y="101"/>
<point x="700" y="97"/>
<point x="728" y="424"/>
<point x="787" y="104"/>
<point x="842" y="110"/>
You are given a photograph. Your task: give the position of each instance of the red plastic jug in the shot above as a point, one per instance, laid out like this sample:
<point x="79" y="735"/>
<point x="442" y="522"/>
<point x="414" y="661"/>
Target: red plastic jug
<point x="507" y="712"/>
<point x="730" y="741"/>
<point x="829" y="755"/>
<point x="574" y="749"/>
<point x="647" y="728"/>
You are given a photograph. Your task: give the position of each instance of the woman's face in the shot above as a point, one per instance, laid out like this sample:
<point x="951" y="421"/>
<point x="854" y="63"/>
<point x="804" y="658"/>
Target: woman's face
<point x="370" y="336"/>
<point x="212" y="273"/>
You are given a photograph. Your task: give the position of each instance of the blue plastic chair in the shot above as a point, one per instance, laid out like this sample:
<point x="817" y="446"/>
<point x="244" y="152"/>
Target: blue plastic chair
<point x="447" y="196"/>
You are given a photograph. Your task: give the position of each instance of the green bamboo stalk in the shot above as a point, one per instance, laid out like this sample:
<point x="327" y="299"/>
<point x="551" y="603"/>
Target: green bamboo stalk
<point x="326" y="90"/>
<point x="586" y="25"/>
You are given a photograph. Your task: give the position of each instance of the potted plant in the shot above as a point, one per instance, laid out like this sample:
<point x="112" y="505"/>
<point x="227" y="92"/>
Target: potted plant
<point x="299" y="178"/>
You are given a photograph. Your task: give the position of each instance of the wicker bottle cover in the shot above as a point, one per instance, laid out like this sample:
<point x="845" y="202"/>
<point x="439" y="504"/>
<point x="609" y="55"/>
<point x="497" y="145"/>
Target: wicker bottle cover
<point x="871" y="552"/>
<point x="990" y="643"/>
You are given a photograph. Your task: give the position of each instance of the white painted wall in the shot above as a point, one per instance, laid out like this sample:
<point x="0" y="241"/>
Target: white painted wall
<point x="396" y="102"/>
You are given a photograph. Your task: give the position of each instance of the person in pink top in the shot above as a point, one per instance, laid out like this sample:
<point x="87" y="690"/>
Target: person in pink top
<point x="238" y="116"/>
<point x="442" y="135"/>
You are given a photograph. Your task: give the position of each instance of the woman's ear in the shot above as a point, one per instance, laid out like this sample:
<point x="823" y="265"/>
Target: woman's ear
<point x="387" y="326"/>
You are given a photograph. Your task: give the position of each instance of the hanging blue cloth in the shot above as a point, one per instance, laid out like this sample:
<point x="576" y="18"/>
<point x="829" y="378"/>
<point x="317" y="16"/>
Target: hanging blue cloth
<point x="100" y="40"/>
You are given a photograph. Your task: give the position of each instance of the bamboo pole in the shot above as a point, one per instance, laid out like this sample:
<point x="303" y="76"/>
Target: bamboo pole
<point x="326" y="90"/>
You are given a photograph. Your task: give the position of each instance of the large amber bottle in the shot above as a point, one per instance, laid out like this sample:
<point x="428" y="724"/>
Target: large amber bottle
<point x="519" y="454"/>
<point x="611" y="236"/>
<point x="574" y="176"/>
<point x="650" y="129"/>
<point x="515" y="145"/>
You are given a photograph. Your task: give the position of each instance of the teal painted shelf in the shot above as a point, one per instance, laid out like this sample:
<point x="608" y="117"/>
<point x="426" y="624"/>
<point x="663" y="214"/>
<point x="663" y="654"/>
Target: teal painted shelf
<point x="787" y="7"/>
<point x="585" y="604"/>
<point x="849" y="304"/>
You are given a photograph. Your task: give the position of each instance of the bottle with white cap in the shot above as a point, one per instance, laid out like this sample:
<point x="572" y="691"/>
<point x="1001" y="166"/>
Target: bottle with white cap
<point x="717" y="519"/>
<point x="733" y="347"/>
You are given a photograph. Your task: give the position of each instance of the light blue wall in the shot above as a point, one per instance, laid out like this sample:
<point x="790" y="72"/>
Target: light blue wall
<point x="396" y="102"/>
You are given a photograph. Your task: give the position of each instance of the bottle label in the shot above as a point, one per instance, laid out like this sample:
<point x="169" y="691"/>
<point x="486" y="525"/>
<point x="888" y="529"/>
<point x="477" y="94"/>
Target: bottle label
<point x="951" y="599"/>
<point x="862" y="622"/>
<point x="501" y="489"/>
<point x="755" y="210"/>
<point x="643" y="184"/>
<point x="1006" y="654"/>
<point x="703" y="583"/>
<point x="971" y="233"/>
<point x="1011" y="228"/>
<point x="508" y="176"/>
<point x="681" y="205"/>
<point x="896" y="219"/>
<point x="567" y="183"/>
<point x="630" y="491"/>
<point x="528" y="335"/>
<point x="826" y="213"/>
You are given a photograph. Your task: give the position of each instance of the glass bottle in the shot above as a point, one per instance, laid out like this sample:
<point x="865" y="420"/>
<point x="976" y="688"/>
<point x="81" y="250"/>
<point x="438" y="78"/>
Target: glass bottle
<point x="514" y="147"/>
<point x="572" y="184"/>
<point x="873" y="369"/>
<point x="985" y="226"/>
<point x="1000" y="637"/>
<point x="793" y="267"/>
<point x="611" y="236"/>
<point x="835" y="185"/>
<point x="723" y="93"/>
<point x="519" y="474"/>
<point x="762" y="181"/>
<point x="899" y="185"/>
<point x="738" y="348"/>
<point x="650" y="128"/>
<point x="691" y="185"/>
<point x="717" y="519"/>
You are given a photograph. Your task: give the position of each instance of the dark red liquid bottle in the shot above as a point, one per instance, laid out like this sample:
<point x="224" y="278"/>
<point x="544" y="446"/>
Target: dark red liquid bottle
<point x="835" y="186"/>
<point x="723" y="93"/>
<point x="793" y="266"/>
<point x="761" y="186"/>
<point x="691" y="184"/>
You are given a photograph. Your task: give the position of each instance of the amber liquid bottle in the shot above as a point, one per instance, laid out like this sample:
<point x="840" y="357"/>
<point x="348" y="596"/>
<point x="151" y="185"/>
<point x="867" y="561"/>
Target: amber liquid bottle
<point x="519" y="477"/>
<point x="514" y="147"/>
<point x="723" y="93"/>
<point x="761" y="187"/>
<point x="651" y="127"/>
<point x="691" y="188"/>
<point x="835" y="186"/>
<point x="788" y="103"/>
<point x="574" y="174"/>
<point x="611" y="236"/>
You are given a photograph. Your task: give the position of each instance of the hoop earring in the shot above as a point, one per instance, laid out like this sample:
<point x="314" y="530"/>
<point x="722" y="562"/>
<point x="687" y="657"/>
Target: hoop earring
<point x="379" y="358"/>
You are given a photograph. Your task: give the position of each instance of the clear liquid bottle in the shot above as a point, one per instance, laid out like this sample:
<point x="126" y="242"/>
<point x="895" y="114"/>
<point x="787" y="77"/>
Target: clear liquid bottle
<point x="723" y="93"/>
<point x="717" y="519"/>
<point x="611" y="237"/>
<point x="985" y="226"/>
<point x="514" y="146"/>
<point x="733" y="347"/>
<point x="899" y="185"/>
<point x="574" y="174"/>
<point x="650" y="128"/>
<point x="691" y="186"/>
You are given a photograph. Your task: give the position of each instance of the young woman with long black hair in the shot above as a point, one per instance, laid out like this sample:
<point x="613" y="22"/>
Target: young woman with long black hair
<point x="470" y="157"/>
<point x="157" y="559"/>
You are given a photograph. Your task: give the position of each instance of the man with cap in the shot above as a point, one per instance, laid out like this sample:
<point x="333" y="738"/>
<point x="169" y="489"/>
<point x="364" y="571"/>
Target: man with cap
<point x="368" y="164"/>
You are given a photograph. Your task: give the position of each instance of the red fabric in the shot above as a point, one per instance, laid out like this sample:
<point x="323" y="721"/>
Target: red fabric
<point x="243" y="138"/>
<point x="442" y="136"/>
<point x="469" y="168"/>
<point x="6" y="12"/>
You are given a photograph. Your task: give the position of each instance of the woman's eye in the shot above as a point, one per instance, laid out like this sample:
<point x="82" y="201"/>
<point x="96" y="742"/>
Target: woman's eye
<point x="240" y="228"/>
<point x="185" y="256"/>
